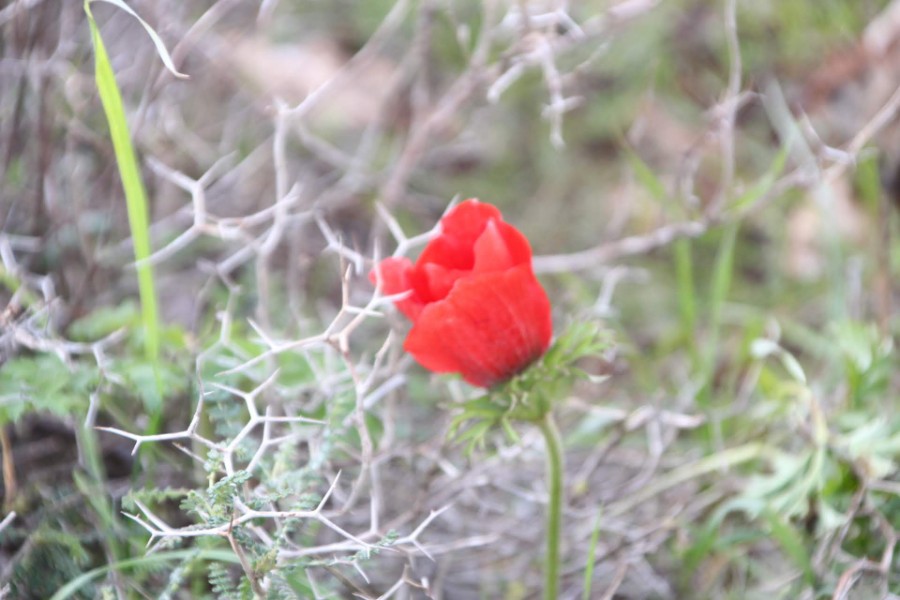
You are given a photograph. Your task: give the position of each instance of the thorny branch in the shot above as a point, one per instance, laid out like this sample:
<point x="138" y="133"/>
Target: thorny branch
<point x="526" y="37"/>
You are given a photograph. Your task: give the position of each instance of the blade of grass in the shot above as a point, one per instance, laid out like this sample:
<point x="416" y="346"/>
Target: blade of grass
<point x="793" y="545"/>
<point x="592" y="553"/>
<point x="724" y="459"/>
<point x="720" y="284"/>
<point x="135" y="196"/>
<point x="70" y="589"/>
<point x="701" y="549"/>
<point x="683" y="261"/>
<point x="877" y="204"/>
<point x="719" y="287"/>
<point x="687" y="303"/>
<point x="645" y="175"/>
<point x="650" y="182"/>
<point x="92" y="484"/>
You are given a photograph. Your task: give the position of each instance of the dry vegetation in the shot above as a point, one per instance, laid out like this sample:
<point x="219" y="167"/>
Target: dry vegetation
<point x="714" y="180"/>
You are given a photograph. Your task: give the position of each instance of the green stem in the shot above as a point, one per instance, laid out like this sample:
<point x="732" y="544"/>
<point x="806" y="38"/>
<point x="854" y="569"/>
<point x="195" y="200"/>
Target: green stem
<point x="554" y="508"/>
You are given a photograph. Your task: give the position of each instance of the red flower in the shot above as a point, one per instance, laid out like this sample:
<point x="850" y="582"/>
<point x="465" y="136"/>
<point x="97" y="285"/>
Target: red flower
<point x="477" y="308"/>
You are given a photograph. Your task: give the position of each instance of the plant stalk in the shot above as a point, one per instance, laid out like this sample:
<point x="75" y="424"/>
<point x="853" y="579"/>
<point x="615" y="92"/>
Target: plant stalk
<point x="554" y="507"/>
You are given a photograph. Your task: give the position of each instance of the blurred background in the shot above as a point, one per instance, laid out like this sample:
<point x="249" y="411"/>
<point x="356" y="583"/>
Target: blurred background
<point x="716" y="181"/>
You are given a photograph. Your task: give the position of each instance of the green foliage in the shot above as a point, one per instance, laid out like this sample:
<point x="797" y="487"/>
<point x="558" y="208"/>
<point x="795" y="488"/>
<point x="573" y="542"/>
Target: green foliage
<point x="793" y="543"/>
<point x="804" y="493"/>
<point x="152" y="496"/>
<point x="867" y="359"/>
<point x="104" y="321"/>
<point x="151" y="383"/>
<point x="868" y="181"/>
<point x="31" y="577"/>
<point x="225" y="413"/>
<point x="44" y="383"/>
<point x="215" y="505"/>
<point x="531" y="394"/>
<point x="222" y="583"/>
<point x="158" y="560"/>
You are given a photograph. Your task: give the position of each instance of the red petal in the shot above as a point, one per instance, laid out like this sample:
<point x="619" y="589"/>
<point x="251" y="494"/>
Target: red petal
<point x="468" y="219"/>
<point x="460" y="229"/>
<point x="500" y="247"/>
<point x="490" y="327"/>
<point x="448" y="252"/>
<point x="441" y="280"/>
<point x="396" y="278"/>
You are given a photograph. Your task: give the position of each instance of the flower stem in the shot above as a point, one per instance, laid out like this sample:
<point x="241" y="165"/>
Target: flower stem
<point x="554" y="507"/>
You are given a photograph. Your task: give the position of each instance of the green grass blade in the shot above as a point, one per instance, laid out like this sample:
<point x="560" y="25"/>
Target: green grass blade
<point x="868" y="183"/>
<point x="718" y="292"/>
<point x="720" y="284"/>
<point x="68" y="590"/>
<point x="722" y="275"/>
<point x="724" y="459"/>
<point x="792" y="543"/>
<point x="592" y="554"/>
<point x="651" y="183"/>
<point x="135" y="196"/>
<point x="645" y="175"/>
<point x="687" y="302"/>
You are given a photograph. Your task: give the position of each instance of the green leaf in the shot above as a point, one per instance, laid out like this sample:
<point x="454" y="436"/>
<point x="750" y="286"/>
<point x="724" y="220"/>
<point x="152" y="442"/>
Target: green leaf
<point x="792" y="543"/>
<point x="650" y="182"/>
<point x="44" y="383"/>
<point x="159" y="558"/>
<point x="104" y="321"/>
<point x="687" y="303"/>
<point x="705" y="540"/>
<point x="151" y="383"/>
<point x="135" y="196"/>
<point x="718" y="292"/>
<point x="762" y="348"/>
<point x="529" y="395"/>
<point x="592" y="553"/>
<point x="868" y="180"/>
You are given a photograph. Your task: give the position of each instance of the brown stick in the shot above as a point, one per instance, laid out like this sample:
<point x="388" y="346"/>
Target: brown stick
<point x="9" y="471"/>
